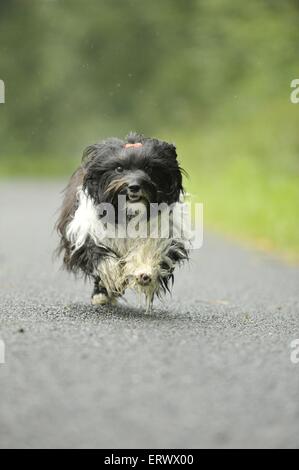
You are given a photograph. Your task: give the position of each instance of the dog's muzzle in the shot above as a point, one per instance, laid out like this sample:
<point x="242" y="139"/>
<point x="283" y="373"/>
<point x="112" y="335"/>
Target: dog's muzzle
<point x="140" y="187"/>
<point x="134" y="192"/>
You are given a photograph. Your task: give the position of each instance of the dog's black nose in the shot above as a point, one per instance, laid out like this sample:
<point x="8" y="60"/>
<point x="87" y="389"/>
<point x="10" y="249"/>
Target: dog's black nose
<point x="134" y="188"/>
<point x="144" y="279"/>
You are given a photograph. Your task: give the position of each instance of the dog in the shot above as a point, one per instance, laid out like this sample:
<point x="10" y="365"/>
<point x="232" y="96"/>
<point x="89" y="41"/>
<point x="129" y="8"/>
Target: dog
<point x="123" y="175"/>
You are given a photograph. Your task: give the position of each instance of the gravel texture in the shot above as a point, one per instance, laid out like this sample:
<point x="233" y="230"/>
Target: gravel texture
<point x="209" y="368"/>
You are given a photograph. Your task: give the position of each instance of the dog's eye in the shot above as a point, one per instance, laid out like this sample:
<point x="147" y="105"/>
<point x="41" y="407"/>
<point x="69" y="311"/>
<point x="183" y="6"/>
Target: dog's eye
<point x="119" y="169"/>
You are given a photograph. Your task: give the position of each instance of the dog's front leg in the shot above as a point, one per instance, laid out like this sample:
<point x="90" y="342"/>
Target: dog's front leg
<point x="100" y="294"/>
<point x="153" y="265"/>
<point x="101" y="264"/>
<point x="108" y="281"/>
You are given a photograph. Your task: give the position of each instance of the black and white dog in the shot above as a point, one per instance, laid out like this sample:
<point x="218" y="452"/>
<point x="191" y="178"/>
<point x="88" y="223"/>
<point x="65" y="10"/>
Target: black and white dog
<point x="124" y="175"/>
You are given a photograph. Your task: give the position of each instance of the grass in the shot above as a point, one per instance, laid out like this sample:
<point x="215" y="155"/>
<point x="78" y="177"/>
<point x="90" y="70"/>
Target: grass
<point x="252" y="204"/>
<point x="248" y="179"/>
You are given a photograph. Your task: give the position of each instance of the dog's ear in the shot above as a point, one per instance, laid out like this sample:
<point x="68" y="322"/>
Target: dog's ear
<point x="104" y="149"/>
<point x="89" y="154"/>
<point x="166" y="151"/>
<point x="88" y="159"/>
<point x="167" y="154"/>
<point x="177" y="183"/>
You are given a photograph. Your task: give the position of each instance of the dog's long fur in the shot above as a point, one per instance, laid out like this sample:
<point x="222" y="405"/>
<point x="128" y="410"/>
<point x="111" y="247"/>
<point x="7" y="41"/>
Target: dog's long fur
<point x="148" y="173"/>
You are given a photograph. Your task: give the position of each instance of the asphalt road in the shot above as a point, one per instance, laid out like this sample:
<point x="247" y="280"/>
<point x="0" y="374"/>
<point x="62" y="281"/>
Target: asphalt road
<point x="209" y="368"/>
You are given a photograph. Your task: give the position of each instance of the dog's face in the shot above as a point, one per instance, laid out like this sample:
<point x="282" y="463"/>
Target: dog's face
<point x="141" y="169"/>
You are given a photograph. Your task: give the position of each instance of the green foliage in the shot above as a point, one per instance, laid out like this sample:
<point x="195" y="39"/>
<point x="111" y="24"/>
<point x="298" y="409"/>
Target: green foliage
<point x="214" y="76"/>
<point x="248" y="179"/>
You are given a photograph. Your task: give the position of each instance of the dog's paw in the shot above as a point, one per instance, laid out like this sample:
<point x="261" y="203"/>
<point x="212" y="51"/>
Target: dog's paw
<point x="100" y="299"/>
<point x="103" y="299"/>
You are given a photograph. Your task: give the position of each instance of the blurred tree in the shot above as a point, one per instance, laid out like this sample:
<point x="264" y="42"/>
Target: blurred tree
<point x="76" y="71"/>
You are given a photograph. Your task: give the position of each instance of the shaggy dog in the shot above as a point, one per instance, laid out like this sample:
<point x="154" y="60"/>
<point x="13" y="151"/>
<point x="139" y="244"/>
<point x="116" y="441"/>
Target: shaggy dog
<point x="131" y="177"/>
